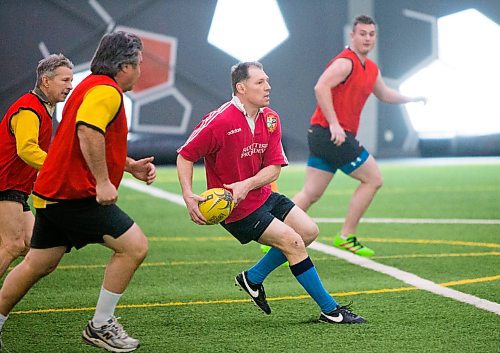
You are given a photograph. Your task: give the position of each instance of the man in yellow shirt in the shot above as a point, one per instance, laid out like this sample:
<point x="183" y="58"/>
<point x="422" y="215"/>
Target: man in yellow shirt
<point x="25" y="134"/>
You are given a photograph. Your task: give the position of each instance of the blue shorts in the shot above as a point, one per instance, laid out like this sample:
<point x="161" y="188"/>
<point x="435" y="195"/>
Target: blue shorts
<point x="327" y="156"/>
<point x="252" y="226"/>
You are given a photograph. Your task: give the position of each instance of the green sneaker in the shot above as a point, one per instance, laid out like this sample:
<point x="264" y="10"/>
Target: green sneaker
<point x="353" y="245"/>
<point x="266" y="248"/>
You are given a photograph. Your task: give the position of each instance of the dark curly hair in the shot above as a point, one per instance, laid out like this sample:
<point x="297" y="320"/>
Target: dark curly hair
<point x="115" y="50"/>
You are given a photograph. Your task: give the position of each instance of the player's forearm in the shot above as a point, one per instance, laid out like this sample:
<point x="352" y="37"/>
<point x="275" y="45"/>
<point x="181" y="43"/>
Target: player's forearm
<point x="92" y="145"/>
<point x="264" y="177"/>
<point x="392" y="96"/>
<point x="185" y="174"/>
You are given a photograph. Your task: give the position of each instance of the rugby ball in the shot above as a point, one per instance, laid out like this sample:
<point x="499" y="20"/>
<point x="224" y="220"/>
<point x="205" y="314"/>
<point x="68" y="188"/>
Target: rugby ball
<point x="217" y="206"/>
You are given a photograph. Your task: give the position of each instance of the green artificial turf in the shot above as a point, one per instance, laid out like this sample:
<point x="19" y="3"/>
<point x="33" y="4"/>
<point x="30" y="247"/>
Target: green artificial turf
<point x="183" y="298"/>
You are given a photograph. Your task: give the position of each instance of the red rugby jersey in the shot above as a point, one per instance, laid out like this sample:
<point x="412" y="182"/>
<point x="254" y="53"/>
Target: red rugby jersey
<point x="233" y="153"/>
<point x="65" y="173"/>
<point x="15" y="174"/>
<point x="349" y="97"/>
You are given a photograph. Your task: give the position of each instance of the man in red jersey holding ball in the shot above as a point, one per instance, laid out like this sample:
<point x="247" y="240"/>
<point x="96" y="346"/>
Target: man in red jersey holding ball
<point x="241" y="145"/>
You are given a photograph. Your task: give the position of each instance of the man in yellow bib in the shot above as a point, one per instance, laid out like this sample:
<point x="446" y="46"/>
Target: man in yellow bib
<point x="25" y="134"/>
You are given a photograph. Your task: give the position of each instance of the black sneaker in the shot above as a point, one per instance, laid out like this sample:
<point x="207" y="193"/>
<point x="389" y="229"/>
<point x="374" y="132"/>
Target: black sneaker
<point x="255" y="291"/>
<point x="341" y="315"/>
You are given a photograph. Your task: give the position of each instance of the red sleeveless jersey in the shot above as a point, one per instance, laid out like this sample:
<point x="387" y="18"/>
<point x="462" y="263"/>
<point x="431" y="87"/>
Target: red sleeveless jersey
<point x="15" y="174"/>
<point x="65" y="174"/>
<point x="349" y="97"/>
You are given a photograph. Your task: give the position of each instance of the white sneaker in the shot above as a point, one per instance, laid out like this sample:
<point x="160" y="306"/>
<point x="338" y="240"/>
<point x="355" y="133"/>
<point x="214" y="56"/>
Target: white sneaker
<point x="111" y="336"/>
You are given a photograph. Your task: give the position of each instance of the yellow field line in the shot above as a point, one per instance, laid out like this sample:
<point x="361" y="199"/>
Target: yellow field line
<point x="375" y="240"/>
<point x="467" y="281"/>
<point x="246" y="261"/>
<point x="489" y="253"/>
<point x="218" y="238"/>
<point x="230" y="301"/>
<point x="428" y="241"/>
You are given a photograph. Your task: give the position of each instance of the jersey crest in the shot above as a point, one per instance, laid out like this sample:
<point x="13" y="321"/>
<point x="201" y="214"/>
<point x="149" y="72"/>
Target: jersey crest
<point x="271" y="122"/>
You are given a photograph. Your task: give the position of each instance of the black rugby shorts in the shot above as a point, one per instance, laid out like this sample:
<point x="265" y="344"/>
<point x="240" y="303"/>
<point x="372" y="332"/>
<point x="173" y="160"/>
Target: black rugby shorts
<point x="76" y="223"/>
<point x="325" y="155"/>
<point x="252" y="226"/>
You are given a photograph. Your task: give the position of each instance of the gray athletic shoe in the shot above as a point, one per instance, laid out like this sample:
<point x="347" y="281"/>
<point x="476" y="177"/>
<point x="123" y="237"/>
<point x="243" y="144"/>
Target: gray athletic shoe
<point x="111" y="336"/>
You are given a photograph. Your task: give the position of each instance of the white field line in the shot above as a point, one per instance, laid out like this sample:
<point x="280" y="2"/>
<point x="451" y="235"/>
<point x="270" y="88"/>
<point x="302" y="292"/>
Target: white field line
<point x="177" y="199"/>
<point x="394" y="272"/>
<point x="408" y="278"/>
<point x="153" y="191"/>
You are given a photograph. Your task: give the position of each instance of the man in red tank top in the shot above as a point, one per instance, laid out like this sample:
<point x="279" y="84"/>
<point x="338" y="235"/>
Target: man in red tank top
<point x="25" y="134"/>
<point x="76" y="191"/>
<point x="341" y="93"/>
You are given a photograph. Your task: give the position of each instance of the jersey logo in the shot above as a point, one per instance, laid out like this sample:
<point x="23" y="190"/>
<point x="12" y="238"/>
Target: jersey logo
<point x="271" y="122"/>
<point x="234" y="131"/>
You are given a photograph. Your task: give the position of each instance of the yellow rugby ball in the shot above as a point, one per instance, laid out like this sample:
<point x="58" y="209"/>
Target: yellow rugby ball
<point x="217" y="206"/>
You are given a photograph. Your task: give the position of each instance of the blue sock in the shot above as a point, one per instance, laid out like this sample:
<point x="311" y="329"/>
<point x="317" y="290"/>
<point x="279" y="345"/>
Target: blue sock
<point x="308" y="277"/>
<point x="269" y="262"/>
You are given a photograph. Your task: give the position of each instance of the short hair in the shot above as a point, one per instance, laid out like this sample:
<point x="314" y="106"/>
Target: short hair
<point x="239" y="72"/>
<point x="48" y="66"/>
<point x="366" y="20"/>
<point x="114" y="50"/>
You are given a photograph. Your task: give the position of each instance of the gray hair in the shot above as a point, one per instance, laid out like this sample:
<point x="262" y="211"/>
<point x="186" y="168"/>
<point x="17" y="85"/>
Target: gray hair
<point x="48" y="66"/>
<point x="116" y="49"/>
<point x="239" y="72"/>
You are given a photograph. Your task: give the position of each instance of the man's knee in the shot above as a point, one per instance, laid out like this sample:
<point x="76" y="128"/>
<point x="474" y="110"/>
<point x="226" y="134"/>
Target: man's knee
<point x="37" y="269"/>
<point x="138" y="249"/>
<point x="142" y="250"/>
<point x="292" y="242"/>
<point x="375" y="182"/>
<point x="378" y="182"/>
<point x="312" y="195"/>
<point x="133" y="244"/>
<point x="15" y="248"/>
<point x="311" y="232"/>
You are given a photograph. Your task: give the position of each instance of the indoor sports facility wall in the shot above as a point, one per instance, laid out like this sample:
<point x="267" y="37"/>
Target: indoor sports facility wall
<point x="186" y="76"/>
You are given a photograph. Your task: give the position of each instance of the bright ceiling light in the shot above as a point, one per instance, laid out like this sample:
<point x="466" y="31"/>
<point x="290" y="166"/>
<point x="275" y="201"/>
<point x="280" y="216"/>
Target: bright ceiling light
<point x="462" y="84"/>
<point x="247" y="29"/>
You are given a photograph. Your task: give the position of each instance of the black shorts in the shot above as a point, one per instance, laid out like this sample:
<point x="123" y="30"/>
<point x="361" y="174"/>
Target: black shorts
<point x="252" y="226"/>
<point x="16" y="196"/>
<point x="77" y="223"/>
<point x="327" y="156"/>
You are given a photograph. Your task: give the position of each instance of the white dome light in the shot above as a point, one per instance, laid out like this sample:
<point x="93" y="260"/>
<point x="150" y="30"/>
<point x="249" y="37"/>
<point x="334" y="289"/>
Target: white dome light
<point x="462" y="84"/>
<point x="247" y="29"/>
